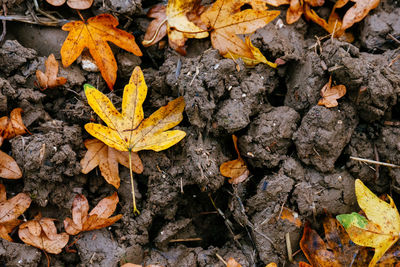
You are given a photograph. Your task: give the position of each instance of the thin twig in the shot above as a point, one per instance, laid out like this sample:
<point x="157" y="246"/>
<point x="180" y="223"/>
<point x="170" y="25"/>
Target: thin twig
<point x="28" y="19"/>
<point x="186" y="239"/>
<point x="394" y="38"/>
<point x="375" y="162"/>
<point x="221" y="259"/>
<point x="3" y="34"/>
<point x="289" y="247"/>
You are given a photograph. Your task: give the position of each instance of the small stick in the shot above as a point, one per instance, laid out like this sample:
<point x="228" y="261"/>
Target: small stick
<point x="221" y="259"/>
<point x="185" y="239"/>
<point x="3" y="34"/>
<point x="394" y="38"/>
<point x="375" y="162"/>
<point x="289" y="247"/>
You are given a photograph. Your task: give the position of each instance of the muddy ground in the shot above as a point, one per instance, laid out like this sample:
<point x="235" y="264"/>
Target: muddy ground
<point x="297" y="152"/>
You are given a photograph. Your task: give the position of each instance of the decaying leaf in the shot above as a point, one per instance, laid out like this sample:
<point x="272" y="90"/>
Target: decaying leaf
<point x="42" y="233"/>
<point x="13" y="126"/>
<point x="330" y="94"/>
<point x="10" y="210"/>
<point x="128" y="130"/>
<point x="357" y="12"/>
<point x="382" y="228"/>
<point x="98" y="218"/>
<point x="8" y="167"/>
<point x="226" y="21"/>
<point x="235" y="169"/>
<point x="94" y="34"/>
<point x="298" y="7"/>
<point x="257" y="57"/>
<point x="232" y="263"/>
<point x="291" y="216"/>
<point x="75" y="4"/>
<point x="173" y="19"/>
<point x="49" y="79"/>
<point x="107" y="158"/>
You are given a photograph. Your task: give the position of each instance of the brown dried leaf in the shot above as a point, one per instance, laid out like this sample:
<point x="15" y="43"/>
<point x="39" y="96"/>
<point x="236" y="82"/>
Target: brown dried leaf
<point x="8" y="167"/>
<point x="42" y="233"/>
<point x="233" y="263"/>
<point x="75" y="4"/>
<point x="96" y="219"/>
<point x="235" y="169"/>
<point x="13" y="126"/>
<point x="357" y="12"/>
<point x="226" y="21"/>
<point x="331" y="94"/>
<point x="294" y="11"/>
<point x="107" y="158"/>
<point x="10" y="210"/>
<point x="49" y="79"/>
<point x="291" y="216"/>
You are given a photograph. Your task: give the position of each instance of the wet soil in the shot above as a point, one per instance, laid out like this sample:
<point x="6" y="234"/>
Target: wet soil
<point x="297" y="152"/>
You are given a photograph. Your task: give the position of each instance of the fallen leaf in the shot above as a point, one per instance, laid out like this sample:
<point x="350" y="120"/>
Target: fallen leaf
<point x="382" y="228"/>
<point x="42" y="233"/>
<point x="49" y="79"/>
<point x="331" y="94"/>
<point x="75" y="4"/>
<point x="94" y="34"/>
<point x="107" y="158"/>
<point x="291" y="216"/>
<point x="297" y="8"/>
<point x="257" y="56"/>
<point x="10" y="210"/>
<point x="8" y="167"/>
<point x="98" y="218"/>
<point x="173" y="20"/>
<point x="233" y="263"/>
<point x="358" y="11"/>
<point x="226" y="21"/>
<point x="235" y="169"/>
<point x="13" y="126"/>
<point x="128" y="130"/>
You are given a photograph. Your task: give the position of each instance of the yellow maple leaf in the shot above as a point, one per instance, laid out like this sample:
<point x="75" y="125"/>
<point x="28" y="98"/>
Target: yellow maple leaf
<point x="382" y="228"/>
<point x="128" y="130"/>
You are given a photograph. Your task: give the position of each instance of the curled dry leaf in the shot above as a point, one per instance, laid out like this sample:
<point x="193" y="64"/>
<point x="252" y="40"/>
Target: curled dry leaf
<point x="75" y="4"/>
<point x="357" y="12"/>
<point x="13" y="126"/>
<point x="98" y="218"/>
<point x="173" y="19"/>
<point x="382" y="228"/>
<point x="8" y="167"/>
<point x="298" y="7"/>
<point x="107" y="158"/>
<point x="331" y="94"/>
<point x="226" y="21"/>
<point x="235" y="169"/>
<point x="10" y="210"/>
<point x="94" y="34"/>
<point x="257" y="57"/>
<point x="291" y="216"/>
<point x="232" y="263"/>
<point x="49" y="79"/>
<point x="42" y="233"/>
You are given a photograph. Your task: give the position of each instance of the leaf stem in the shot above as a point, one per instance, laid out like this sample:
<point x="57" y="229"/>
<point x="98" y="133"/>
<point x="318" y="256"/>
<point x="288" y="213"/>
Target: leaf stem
<point x="135" y="210"/>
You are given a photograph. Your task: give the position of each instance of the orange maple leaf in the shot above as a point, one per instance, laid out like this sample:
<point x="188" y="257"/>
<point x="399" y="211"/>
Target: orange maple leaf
<point x="49" y="79"/>
<point x="107" y="158"/>
<point x="96" y="219"/>
<point x="94" y="34"/>
<point x="330" y="94"/>
<point x="235" y="169"/>
<point x="13" y="126"/>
